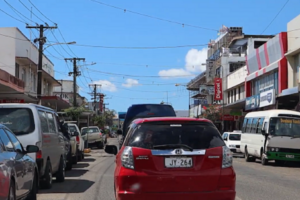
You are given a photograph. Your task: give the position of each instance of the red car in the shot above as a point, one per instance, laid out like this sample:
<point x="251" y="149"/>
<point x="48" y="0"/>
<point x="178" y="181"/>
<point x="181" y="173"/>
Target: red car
<point x="173" y="158"/>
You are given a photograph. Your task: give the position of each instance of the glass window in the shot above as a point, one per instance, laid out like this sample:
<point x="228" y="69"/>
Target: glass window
<point x="85" y="130"/>
<point x="280" y="126"/>
<point x="276" y="82"/>
<point x="19" y="120"/>
<point x="235" y="137"/>
<point x="244" y="125"/>
<point x="197" y="136"/>
<point x="254" y="125"/>
<point x="14" y="140"/>
<point x="51" y="122"/>
<point x="44" y="122"/>
<point x="6" y="141"/>
<point x="260" y="123"/>
<point x="249" y="124"/>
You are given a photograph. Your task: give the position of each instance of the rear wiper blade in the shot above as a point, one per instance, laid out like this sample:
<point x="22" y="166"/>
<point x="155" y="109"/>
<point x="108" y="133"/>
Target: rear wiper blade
<point x="172" y="146"/>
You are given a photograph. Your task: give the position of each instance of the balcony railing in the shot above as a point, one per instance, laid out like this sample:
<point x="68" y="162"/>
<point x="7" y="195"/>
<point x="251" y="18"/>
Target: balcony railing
<point x="6" y="77"/>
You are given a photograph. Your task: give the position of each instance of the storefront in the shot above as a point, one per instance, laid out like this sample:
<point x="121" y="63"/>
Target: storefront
<point x="288" y="99"/>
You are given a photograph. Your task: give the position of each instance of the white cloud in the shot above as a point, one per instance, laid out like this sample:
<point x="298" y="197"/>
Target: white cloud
<point x="106" y="85"/>
<point x="130" y="83"/>
<point x="193" y="64"/>
<point x="177" y="73"/>
<point x="194" y="60"/>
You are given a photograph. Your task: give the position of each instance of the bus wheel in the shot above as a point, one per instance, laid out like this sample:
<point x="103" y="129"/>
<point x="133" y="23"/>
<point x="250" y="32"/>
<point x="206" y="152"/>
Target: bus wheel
<point x="263" y="159"/>
<point x="247" y="157"/>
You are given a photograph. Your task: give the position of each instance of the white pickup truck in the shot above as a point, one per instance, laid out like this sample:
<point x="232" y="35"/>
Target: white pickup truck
<point x="93" y="135"/>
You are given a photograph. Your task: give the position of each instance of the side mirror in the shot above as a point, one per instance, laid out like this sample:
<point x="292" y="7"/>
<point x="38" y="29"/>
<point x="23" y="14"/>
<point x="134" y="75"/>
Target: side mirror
<point x="75" y="133"/>
<point x="111" y="149"/>
<point x="225" y="139"/>
<point x="32" y="149"/>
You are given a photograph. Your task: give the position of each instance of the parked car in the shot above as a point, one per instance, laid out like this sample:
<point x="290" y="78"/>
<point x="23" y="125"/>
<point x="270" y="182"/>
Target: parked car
<point x="93" y="136"/>
<point x="145" y="111"/>
<point x="68" y="144"/>
<point x="233" y="141"/>
<point x="18" y="172"/>
<point x="38" y="125"/>
<point x="79" y="154"/>
<point x="173" y="158"/>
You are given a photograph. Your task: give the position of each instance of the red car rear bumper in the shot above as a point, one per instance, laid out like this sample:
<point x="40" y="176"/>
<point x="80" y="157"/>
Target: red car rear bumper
<point x="217" y="195"/>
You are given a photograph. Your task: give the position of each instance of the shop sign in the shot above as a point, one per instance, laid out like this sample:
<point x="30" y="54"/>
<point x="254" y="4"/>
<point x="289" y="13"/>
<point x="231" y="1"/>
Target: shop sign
<point x="206" y="90"/>
<point x="267" y="98"/>
<point x="12" y="101"/>
<point x="218" y="89"/>
<point x="252" y="102"/>
<point x="236" y="113"/>
<point x="228" y="118"/>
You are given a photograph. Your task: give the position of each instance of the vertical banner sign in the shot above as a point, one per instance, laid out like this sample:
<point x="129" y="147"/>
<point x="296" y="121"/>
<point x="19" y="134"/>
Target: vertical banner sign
<point x="218" y="89"/>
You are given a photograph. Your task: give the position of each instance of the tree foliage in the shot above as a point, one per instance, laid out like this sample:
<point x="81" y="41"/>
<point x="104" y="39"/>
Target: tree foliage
<point x="74" y="112"/>
<point x="106" y="119"/>
<point x="212" y="112"/>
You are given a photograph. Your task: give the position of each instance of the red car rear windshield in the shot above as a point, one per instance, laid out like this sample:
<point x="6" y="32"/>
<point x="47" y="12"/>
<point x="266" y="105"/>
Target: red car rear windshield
<point x="196" y="136"/>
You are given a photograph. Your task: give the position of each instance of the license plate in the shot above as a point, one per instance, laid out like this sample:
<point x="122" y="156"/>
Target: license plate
<point x="178" y="162"/>
<point x="290" y="156"/>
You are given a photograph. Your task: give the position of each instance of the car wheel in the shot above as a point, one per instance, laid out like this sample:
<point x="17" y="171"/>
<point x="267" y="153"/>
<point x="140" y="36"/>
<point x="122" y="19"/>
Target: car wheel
<point x="69" y="163"/>
<point x="247" y="157"/>
<point x="60" y="175"/>
<point x="12" y="191"/>
<point x="34" y="190"/>
<point x="46" y="182"/>
<point x="100" y="145"/>
<point x="80" y="156"/>
<point x="75" y="158"/>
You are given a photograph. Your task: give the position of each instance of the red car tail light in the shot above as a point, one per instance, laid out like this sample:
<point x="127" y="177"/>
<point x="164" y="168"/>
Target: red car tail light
<point x="127" y="158"/>
<point x="39" y="154"/>
<point x="77" y="139"/>
<point x="100" y="134"/>
<point x="227" y="157"/>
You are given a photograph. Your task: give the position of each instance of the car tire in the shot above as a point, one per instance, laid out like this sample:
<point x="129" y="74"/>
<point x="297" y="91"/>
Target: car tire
<point x="80" y="155"/>
<point x="70" y="161"/>
<point x="247" y="157"/>
<point x="100" y="145"/>
<point x="12" y="191"/>
<point x="60" y="175"/>
<point x="46" y="182"/>
<point x="263" y="159"/>
<point x="33" y="193"/>
<point x="75" y="158"/>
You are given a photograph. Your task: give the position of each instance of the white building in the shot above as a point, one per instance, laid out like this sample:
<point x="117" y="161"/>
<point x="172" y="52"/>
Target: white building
<point x="65" y="91"/>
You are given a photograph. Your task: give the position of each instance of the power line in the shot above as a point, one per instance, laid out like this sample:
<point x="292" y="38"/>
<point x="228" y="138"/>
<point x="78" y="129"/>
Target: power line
<point x="60" y="44"/>
<point x="13" y="17"/>
<point x="31" y="11"/>
<point x="275" y="16"/>
<point x="161" y="47"/>
<point x="153" y="17"/>
<point x="16" y="11"/>
<point x="40" y="12"/>
<point x="66" y="42"/>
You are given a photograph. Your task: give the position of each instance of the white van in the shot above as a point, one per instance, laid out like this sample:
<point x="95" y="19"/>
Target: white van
<point x="79" y="151"/>
<point x="233" y="141"/>
<point x="38" y="125"/>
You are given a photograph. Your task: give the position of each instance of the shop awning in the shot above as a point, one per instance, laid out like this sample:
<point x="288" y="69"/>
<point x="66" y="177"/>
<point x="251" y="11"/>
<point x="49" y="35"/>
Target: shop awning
<point x="55" y="103"/>
<point x="18" y="97"/>
<point x="240" y="104"/>
<point x="291" y="91"/>
<point x="288" y="99"/>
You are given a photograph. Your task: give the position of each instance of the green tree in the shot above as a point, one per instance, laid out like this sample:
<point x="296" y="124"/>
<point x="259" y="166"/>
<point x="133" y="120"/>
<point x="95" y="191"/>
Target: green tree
<point x="74" y="112"/>
<point x="212" y="112"/>
<point x="106" y="119"/>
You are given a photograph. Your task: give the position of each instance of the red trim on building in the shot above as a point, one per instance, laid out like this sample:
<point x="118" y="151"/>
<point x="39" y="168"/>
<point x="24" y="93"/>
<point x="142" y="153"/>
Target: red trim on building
<point x="247" y="65"/>
<point x="256" y="74"/>
<point x="283" y="43"/>
<point x="248" y="88"/>
<point x="264" y="70"/>
<point x="282" y="75"/>
<point x="258" y="58"/>
<point x="266" y="54"/>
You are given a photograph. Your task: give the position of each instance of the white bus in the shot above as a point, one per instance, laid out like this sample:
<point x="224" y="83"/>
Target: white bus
<point x="271" y="135"/>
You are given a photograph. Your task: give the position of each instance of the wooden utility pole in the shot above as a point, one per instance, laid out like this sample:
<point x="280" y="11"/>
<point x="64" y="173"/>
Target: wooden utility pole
<point x="42" y="41"/>
<point x="75" y="74"/>
<point x="95" y="94"/>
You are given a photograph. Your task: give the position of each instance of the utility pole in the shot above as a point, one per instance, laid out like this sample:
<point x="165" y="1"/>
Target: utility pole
<point x="42" y="41"/>
<point x="95" y="94"/>
<point x="75" y="74"/>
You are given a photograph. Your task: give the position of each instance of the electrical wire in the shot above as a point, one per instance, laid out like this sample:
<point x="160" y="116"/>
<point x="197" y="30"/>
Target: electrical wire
<point x="13" y="17"/>
<point x="30" y="11"/>
<point x="40" y="12"/>
<point x="158" y="47"/>
<point x="153" y="17"/>
<point x="16" y="11"/>
<point x="275" y="16"/>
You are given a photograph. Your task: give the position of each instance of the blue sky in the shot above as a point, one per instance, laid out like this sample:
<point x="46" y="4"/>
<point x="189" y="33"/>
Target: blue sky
<point x="129" y="76"/>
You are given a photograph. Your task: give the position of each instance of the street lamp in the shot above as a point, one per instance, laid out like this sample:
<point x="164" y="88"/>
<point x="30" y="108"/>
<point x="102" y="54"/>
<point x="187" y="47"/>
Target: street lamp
<point x="58" y="44"/>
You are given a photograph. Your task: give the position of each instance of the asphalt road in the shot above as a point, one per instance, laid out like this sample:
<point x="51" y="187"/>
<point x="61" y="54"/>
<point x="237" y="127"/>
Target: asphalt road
<point x="92" y="179"/>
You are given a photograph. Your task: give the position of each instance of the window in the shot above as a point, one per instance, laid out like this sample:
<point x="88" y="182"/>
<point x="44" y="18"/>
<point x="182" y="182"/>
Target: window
<point x="257" y="44"/>
<point x="85" y="130"/>
<point x="276" y="82"/>
<point x="19" y="120"/>
<point x="254" y="125"/>
<point x="23" y="75"/>
<point x="259" y="127"/>
<point x="6" y="141"/>
<point x="51" y="122"/>
<point x="197" y="136"/>
<point x="248" y="127"/>
<point x="17" y="70"/>
<point x="14" y="140"/>
<point x="244" y="125"/>
<point x="235" y="137"/>
<point x="44" y="122"/>
<point x="58" y="123"/>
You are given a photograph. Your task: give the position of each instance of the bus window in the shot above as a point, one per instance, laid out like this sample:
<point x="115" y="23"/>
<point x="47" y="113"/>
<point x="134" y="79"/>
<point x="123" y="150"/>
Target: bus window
<point x="248" y="127"/>
<point x="244" y="125"/>
<point x="260" y="123"/>
<point x="254" y="125"/>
